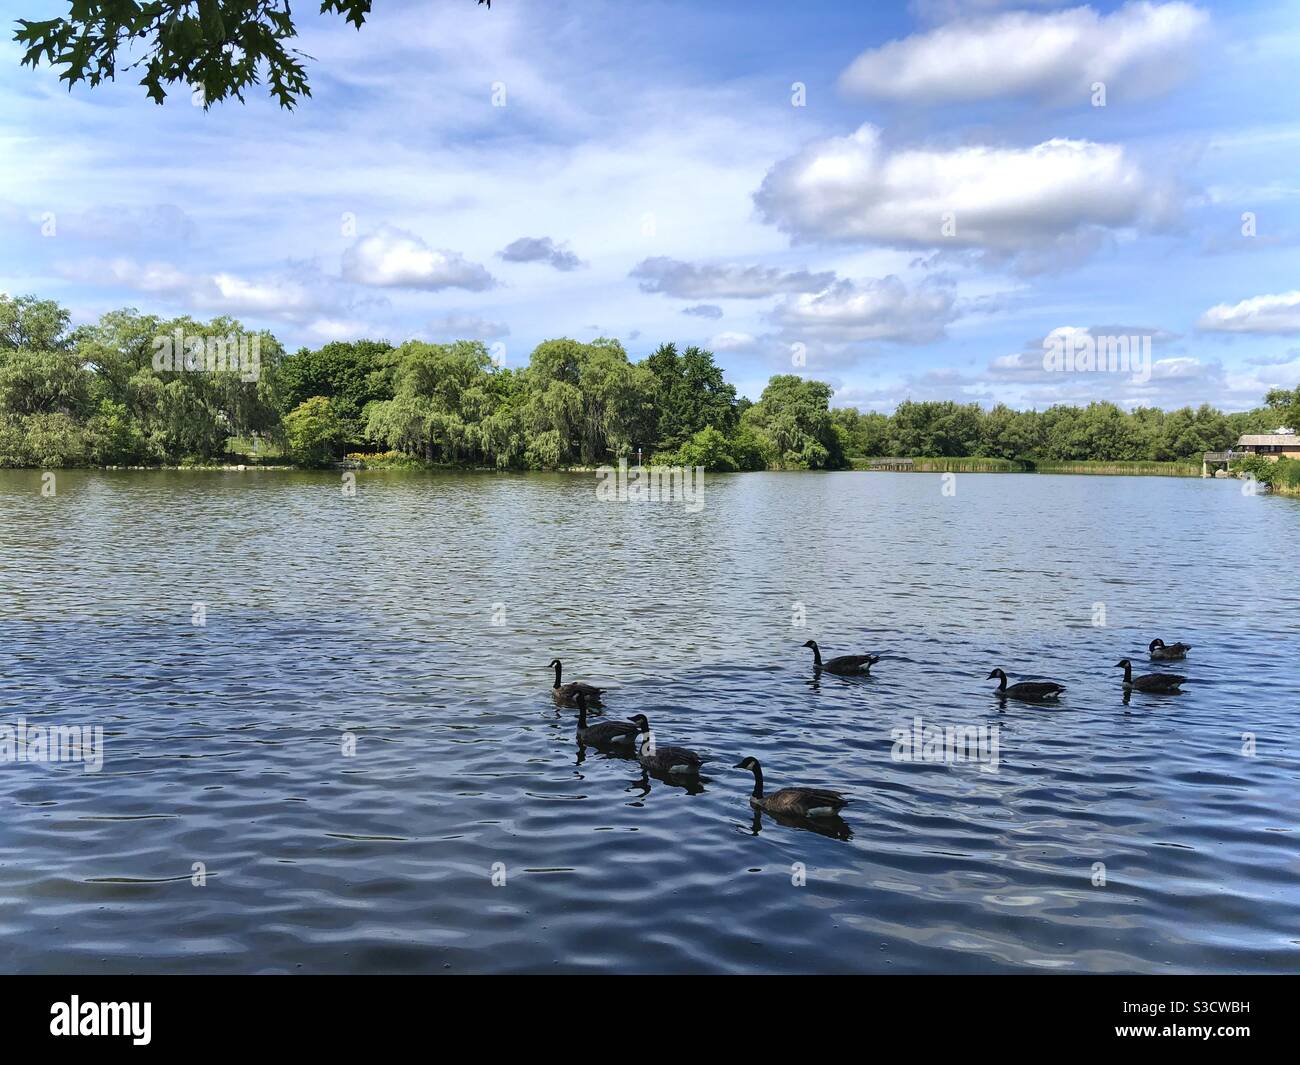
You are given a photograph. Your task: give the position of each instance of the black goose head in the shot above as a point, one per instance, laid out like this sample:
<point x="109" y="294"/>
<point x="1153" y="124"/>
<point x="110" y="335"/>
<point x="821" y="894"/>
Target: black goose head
<point x="554" y="663"/>
<point x="1123" y="663"/>
<point x="747" y="763"/>
<point x="812" y="644"/>
<point x="639" y="720"/>
<point x="1157" y="642"/>
<point x="996" y="674"/>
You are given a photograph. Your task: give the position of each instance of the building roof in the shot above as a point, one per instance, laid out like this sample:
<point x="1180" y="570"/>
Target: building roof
<point x="1268" y="439"/>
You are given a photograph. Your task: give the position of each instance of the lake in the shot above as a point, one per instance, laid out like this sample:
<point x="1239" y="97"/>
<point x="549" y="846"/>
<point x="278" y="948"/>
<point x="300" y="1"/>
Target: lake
<point x="329" y="743"/>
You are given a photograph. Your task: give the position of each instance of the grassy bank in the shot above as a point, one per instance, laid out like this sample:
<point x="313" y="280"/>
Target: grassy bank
<point x="976" y="464"/>
<point x="1283" y="476"/>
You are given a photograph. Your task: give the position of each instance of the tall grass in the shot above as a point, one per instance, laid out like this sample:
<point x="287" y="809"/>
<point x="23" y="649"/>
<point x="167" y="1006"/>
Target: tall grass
<point x="1123" y="469"/>
<point x="978" y="464"/>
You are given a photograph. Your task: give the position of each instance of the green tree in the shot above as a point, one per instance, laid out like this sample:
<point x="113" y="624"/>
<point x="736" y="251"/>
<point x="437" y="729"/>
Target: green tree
<point x="585" y="403"/>
<point x="1285" y="404"/>
<point x="442" y="395"/>
<point x="30" y="323"/>
<point x="314" y="431"/>
<point x="793" y="426"/>
<point x="351" y="374"/>
<point x="690" y="393"/>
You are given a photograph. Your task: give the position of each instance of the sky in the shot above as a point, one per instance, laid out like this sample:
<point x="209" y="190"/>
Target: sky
<point x="910" y="200"/>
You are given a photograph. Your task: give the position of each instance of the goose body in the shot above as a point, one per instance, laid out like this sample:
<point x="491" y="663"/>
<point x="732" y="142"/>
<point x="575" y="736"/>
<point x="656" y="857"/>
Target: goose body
<point x="796" y="802"/>
<point x="603" y="733"/>
<point x="842" y="665"/>
<point x="566" y="694"/>
<point x="673" y="761"/>
<point x="1170" y="653"/>
<point x="1149" y="682"/>
<point x="1034" y="691"/>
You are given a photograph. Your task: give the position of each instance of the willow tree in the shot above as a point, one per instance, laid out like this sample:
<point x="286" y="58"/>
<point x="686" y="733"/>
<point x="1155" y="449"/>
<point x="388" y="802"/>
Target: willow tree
<point x="585" y="403"/>
<point x="442" y="393"/>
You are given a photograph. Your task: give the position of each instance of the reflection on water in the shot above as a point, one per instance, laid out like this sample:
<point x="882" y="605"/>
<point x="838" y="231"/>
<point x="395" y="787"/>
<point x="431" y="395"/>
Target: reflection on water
<point x="360" y="751"/>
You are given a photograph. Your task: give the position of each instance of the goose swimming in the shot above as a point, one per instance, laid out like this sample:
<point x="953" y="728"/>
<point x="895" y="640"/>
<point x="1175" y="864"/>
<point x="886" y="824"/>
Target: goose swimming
<point x="843" y="665"/>
<point x="564" y="694"/>
<point x="676" y="761"/>
<point x="1171" y="653"/>
<point x="603" y="733"/>
<point x="799" y="802"/>
<point x="1034" y="691"/>
<point x="1149" y="682"/>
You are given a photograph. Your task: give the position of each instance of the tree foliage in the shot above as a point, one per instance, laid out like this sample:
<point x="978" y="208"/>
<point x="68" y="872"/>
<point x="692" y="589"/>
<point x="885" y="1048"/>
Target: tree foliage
<point x="99" y="394"/>
<point x="223" y="47"/>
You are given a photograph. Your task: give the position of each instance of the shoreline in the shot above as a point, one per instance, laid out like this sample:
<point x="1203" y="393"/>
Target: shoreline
<point x="929" y="465"/>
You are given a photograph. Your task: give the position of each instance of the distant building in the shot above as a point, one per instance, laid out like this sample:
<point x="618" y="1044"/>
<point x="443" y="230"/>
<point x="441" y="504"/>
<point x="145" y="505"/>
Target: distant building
<point x="1281" y="443"/>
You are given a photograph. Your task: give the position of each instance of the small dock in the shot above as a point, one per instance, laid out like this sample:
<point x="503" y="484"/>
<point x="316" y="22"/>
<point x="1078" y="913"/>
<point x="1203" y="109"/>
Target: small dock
<point x="1218" y="458"/>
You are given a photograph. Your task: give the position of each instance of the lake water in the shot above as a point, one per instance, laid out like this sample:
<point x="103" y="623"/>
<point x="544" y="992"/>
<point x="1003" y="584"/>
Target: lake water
<point x="418" y="616"/>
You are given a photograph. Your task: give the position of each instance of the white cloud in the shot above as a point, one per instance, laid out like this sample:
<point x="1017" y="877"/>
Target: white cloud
<point x="672" y="277"/>
<point x="1057" y="55"/>
<point x="394" y="258"/>
<point x="1006" y="201"/>
<point x="1278" y="315"/>
<point x="883" y="309"/>
<point x="284" y="297"/>
<point x="733" y="341"/>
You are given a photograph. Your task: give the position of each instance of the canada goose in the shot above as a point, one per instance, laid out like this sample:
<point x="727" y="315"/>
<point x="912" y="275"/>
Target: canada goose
<point x="1035" y="691"/>
<point x="1172" y="653"/>
<point x="679" y="761"/>
<point x="844" y="665"/>
<point x="603" y="733"/>
<point x="802" y="802"/>
<point x="1149" y="682"/>
<point x="563" y="694"/>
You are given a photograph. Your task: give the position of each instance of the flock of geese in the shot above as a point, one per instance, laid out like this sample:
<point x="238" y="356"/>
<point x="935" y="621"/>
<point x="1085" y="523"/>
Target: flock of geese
<point x="635" y="735"/>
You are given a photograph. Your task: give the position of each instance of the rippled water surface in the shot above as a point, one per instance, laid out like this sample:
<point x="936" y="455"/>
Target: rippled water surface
<point x="418" y="618"/>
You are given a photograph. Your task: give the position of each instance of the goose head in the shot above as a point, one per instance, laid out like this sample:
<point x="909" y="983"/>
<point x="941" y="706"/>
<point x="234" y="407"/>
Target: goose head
<point x="812" y="644"/>
<point x="554" y="663"/>
<point x="997" y="674"/>
<point x="1123" y="663"/>
<point x="747" y="763"/>
<point x="639" y="720"/>
<point x="1157" y="642"/>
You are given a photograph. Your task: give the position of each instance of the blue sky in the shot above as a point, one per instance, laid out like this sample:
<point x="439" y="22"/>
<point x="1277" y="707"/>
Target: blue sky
<point x="948" y="195"/>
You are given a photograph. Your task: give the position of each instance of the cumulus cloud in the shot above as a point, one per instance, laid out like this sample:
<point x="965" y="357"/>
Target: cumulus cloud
<point x="703" y="310"/>
<point x="855" y="311"/>
<point x="1045" y="55"/>
<point x="672" y="277"/>
<point x="733" y="341"/>
<point x="540" y="250"/>
<point x="1005" y="201"/>
<point x="1276" y="315"/>
<point x="282" y="296"/>
<point x="394" y="258"/>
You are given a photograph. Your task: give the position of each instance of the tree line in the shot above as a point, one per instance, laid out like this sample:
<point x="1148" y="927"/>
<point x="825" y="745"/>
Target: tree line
<point x="137" y="389"/>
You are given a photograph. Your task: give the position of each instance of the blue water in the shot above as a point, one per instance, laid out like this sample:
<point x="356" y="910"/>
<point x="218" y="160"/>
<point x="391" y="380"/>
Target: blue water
<point x="417" y="619"/>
